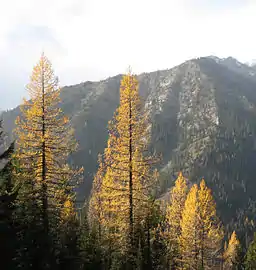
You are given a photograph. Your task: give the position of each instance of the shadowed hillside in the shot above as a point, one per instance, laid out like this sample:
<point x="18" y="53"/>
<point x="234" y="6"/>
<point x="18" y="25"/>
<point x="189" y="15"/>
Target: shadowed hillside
<point x="203" y="122"/>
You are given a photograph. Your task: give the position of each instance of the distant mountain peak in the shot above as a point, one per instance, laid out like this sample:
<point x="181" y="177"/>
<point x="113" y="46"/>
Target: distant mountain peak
<point x="203" y="123"/>
<point x="229" y="59"/>
<point x="213" y="57"/>
<point x="246" y="69"/>
<point x="232" y="60"/>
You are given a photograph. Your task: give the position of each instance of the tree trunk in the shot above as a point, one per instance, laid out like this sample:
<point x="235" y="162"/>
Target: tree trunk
<point x="44" y="184"/>
<point x="131" y="236"/>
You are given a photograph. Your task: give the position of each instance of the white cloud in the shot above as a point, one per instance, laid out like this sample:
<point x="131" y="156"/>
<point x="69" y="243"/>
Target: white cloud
<point x="92" y="39"/>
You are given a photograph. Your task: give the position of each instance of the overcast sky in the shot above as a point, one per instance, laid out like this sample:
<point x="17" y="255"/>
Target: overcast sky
<point x="94" y="39"/>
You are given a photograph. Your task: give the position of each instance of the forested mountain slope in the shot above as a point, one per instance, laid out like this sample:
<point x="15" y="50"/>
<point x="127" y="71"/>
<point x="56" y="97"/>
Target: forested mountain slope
<point x="203" y="122"/>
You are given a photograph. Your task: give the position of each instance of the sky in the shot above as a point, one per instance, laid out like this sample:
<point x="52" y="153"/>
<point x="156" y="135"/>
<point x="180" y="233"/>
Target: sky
<point x="96" y="39"/>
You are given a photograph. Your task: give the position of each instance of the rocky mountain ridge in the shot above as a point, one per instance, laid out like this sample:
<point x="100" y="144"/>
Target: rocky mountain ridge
<point x="203" y="123"/>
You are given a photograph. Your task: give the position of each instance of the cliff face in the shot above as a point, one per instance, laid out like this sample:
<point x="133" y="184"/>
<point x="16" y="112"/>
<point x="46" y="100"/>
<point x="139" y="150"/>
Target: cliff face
<point x="203" y="122"/>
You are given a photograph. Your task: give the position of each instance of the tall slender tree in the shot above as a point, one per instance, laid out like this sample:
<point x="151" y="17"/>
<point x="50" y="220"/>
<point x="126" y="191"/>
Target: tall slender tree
<point x="210" y="232"/>
<point x="188" y="240"/>
<point x="44" y="141"/>
<point x="231" y="254"/>
<point x="69" y="229"/>
<point x="128" y="177"/>
<point x="250" y="262"/>
<point x="95" y="211"/>
<point x="8" y="194"/>
<point x="90" y="248"/>
<point x="174" y="211"/>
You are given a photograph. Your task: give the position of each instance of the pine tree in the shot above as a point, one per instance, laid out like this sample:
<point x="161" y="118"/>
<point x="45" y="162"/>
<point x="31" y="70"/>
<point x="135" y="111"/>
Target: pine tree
<point x="250" y="262"/>
<point x="6" y="180"/>
<point x="27" y="216"/>
<point x="231" y="254"/>
<point x="44" y="141"/>
<point x="90" y="252"/>
<point x="188" y="240"/>
<point x="160" y="252"/>
<point x="156" y="241"/>
<point x="69" y="229"/>
<point x="8" y="194"/>
<point x="209" y="229"/>
<point x="174" y="211"/>
<point x="128" y="177"/>
<point x="95" y="213"/>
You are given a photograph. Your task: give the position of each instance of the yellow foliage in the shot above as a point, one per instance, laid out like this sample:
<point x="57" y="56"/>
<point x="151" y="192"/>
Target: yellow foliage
<point x="178" y="195"/>
<point x="44" y="138"/>
<point x="188" y="239"/>
<point x="68" y="211"/>
<point x="201" y="232"/>
<point x="231" y="253"/>
<point x="209" y="229"/>
<point x="127" y="179"/>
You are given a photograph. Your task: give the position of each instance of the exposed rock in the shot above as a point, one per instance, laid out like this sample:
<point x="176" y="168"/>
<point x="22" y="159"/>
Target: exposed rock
<point x="203" y="122"/>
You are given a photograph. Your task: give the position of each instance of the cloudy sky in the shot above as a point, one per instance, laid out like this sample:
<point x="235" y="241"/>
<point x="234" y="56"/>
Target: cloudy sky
<point x="94" y="39"/>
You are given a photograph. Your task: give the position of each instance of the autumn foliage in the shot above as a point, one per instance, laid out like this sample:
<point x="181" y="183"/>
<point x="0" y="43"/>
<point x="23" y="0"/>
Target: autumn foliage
<point x="124" y="224"/>
<point x="125" y="179"/>
<point x="45" y="138"/>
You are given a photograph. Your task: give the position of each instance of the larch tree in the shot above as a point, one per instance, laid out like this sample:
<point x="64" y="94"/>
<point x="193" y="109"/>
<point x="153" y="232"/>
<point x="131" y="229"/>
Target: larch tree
<point x="110" y="196"/>
<point x="44" y="141"/>
<point x="209" y="229"/>
<point x="231" y="254"/>
<point x="128" y="178"/>
<point x="188" y="240"/>
<point x="178" y="195"/>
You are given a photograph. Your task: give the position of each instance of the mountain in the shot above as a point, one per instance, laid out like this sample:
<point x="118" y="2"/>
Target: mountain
<point x="203" y="122"/>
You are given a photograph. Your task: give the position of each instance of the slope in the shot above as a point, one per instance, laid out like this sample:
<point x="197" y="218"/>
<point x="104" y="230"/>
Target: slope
<point x="202" y="115"/>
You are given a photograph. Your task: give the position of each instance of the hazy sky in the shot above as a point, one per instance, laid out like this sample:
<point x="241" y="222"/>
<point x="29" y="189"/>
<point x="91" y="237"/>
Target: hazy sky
<point x="94" y="39"/>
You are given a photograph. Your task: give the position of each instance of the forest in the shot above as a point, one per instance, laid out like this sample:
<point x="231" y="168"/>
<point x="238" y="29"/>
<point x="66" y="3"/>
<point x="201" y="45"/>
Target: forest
<point x="123" y="224"/>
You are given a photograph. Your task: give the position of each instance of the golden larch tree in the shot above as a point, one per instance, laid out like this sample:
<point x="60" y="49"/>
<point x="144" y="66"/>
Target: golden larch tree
<point x="178" y="195"/>
<point x="44" y="141"/>
<point x="188" y="240"/>
<point x="231" y="254"/>
<point x="210" y="232"/>
<point x="111" y="196"/>
<point x="68" y="210"/>
<point x="128" y="177"/>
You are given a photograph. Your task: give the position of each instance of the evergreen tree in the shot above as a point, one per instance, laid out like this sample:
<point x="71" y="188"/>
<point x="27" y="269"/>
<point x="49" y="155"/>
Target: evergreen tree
<point x="95" y="212"/>
<point x="90" y="253"/>
<point x="148" y="238"/>
<point x="69" y="230"/>
<point x="159" y="245"/>
<point x="29" y="229"/>
<point x="250" y="262"/>
<point x="8" y="194"/>
<point x="174" y="211"/>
